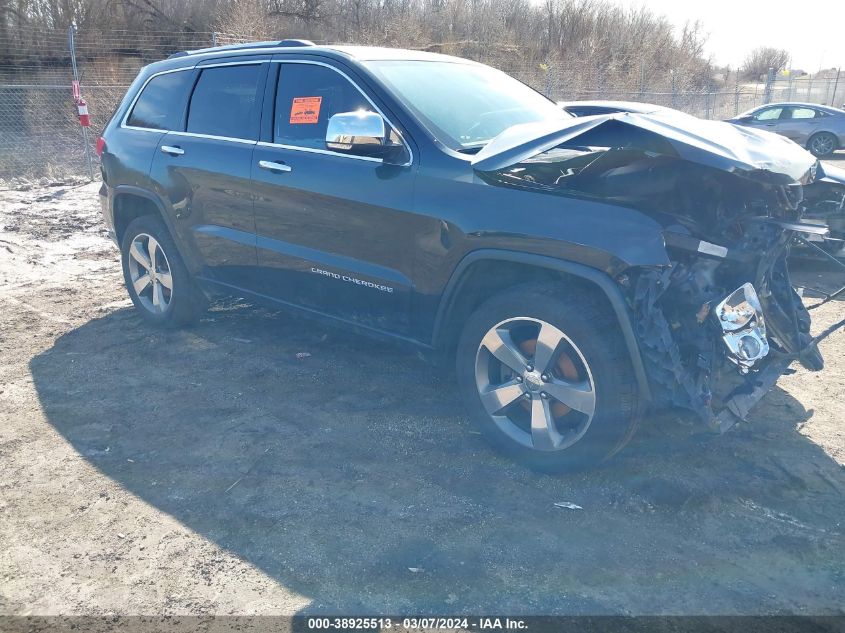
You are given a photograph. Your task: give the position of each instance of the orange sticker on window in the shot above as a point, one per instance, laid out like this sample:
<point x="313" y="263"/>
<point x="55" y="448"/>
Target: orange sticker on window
<point x="305" y="110"/>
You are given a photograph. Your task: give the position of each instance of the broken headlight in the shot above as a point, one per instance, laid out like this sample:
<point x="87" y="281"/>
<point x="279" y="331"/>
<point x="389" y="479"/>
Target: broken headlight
<point x="743" y="326"/>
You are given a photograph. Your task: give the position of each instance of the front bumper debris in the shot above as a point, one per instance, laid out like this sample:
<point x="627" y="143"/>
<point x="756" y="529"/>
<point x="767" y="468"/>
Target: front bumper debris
<point x="737" y="407"/>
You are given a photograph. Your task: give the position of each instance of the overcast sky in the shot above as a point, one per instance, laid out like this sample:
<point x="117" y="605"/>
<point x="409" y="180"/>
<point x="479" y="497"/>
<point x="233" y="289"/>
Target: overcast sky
<point x="812" y="30"/>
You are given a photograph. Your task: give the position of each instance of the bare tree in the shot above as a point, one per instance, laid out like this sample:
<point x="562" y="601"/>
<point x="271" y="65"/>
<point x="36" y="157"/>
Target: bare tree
<point x="758" y="61"/>
<point x="575" y="47"/>
<point x="244" y="17"/>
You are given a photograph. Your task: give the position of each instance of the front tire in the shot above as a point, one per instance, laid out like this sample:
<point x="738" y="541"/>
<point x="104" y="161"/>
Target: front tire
<point x="547" y="379"/>
<point x="822" y="144"/>
<point x="155" y="275"/>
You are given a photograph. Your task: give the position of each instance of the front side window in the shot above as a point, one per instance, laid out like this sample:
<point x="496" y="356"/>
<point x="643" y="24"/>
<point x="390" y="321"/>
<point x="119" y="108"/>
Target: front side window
<point x="224" y="102"/>
<point x="161" y="105"/>
<point x="463" y="105"/>
<point x="306" y="97"/>
<point x="769" y="114"/>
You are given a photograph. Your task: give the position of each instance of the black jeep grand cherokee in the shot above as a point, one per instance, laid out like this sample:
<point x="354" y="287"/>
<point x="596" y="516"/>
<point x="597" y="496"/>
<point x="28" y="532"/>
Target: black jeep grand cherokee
<point x="577" y="269"/>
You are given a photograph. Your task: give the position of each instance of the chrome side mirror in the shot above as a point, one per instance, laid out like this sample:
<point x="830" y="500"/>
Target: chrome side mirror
<point x="348" y="130"/>
<point x="360" y="133"/>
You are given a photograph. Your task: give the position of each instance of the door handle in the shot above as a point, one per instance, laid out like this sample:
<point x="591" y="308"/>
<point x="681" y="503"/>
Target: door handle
<point x="173" y="151"/>
<point x="272" y="166"/>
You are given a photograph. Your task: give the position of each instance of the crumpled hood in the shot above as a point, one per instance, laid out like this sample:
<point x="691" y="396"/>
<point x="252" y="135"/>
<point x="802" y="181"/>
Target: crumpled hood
<point x="717" y="144"/>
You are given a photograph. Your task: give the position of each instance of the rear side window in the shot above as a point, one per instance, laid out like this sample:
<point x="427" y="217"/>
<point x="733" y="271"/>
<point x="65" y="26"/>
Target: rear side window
<point x="307" y="96"/>
<point x="224" y="102"/>
<point x="162" y="102"/>
<point x="803" y="113"/>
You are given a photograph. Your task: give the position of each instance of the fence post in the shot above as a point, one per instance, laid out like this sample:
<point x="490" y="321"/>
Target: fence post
<point x="767" y="92"/>
<point x="214" y="38"/>
<point x="736" y="97"/>
<point x="642" y="78"/>
<point x="674" y="93"/>
<point x="835" y="86"/>
<point x="71" y="30"/>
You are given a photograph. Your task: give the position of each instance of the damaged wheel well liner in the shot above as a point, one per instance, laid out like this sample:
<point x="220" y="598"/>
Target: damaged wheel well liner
<point x="470" y="284"/>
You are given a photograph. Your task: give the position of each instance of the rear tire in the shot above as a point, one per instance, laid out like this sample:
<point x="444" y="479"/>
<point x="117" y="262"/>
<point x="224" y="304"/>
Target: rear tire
<point x="577" y="407"/>
<point x="822" y="144"/>
<point x="155" y="275"/>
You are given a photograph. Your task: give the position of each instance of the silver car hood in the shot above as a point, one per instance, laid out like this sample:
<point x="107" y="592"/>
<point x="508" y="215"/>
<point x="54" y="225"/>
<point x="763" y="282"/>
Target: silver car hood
<point x="720" y="145"/>
<point x="832" y="174"/>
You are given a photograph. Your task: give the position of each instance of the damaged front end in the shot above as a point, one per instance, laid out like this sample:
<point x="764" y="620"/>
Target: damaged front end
<point x="721" y="322"/>
<point x="824" y="205"/>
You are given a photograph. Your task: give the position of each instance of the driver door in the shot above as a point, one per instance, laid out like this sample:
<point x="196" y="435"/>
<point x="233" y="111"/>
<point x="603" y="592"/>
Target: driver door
<point x="335" y="231"/>
<point x="767" y="119"/>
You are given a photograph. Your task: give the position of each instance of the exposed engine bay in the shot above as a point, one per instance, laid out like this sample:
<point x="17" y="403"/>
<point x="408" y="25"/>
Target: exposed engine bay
<point x="722" y="322"/>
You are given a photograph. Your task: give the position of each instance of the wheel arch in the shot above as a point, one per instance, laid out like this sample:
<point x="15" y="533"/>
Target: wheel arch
<point x="473" y="281"/>
<point x="130" y="202"/>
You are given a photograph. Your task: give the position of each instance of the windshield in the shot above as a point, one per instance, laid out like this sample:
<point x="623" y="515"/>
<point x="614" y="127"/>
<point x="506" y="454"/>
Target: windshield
<point x="464" y="105"/>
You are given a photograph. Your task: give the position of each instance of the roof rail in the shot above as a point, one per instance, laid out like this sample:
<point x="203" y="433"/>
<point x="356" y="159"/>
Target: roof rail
<point x="246" y="46"/>
<point x="292" y="42"/>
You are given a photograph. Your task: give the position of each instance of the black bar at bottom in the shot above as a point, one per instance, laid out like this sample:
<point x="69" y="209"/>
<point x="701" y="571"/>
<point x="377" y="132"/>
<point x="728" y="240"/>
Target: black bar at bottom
<point x="401" y="624"/>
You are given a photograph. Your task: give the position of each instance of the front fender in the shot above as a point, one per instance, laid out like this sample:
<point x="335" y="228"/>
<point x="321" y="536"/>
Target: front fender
<point x="599" y="279"/>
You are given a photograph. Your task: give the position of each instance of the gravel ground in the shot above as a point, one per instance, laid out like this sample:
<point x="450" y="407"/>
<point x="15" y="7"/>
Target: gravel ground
<point x="211" y="471"/>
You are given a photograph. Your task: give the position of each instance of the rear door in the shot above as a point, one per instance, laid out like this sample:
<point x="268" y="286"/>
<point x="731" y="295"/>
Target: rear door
<point x="336" y="232"/>
<point x="799" y="123"/>
<point x="203" y="170"/>
<point x="158" y="107"/>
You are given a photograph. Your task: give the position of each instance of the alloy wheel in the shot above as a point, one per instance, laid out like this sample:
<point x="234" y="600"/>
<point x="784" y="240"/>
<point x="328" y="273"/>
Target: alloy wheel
<point x="149" y="273"/>
<point x="535" y="384"/>
<point x="822" y="145"/>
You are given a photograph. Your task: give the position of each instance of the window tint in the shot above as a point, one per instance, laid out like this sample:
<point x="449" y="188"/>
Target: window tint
<point x="307" y="96"/>
<point x="590" y="110"/>
<point x="223" y="103"/>
<point x="803" y="113"/>
<point x="162" y="102"/>
<point x="768" y="114"/>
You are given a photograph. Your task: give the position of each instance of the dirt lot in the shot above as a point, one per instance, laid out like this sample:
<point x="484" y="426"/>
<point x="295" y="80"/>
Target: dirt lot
<point x="212" y="471"/>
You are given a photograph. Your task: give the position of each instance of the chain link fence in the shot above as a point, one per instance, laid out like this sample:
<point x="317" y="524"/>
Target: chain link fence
<point x="40" y="132"/>
<point x="41" y="137"/>
<point x="825" y="87"/>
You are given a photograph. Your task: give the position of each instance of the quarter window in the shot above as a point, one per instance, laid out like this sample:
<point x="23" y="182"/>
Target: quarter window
<point x="306" y="97"/>
<point x="161" y="105"/>
<point x="224" y="102"/>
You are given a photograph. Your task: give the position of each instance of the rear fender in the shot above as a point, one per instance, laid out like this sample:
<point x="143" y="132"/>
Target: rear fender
<point x="140" y="192"/>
